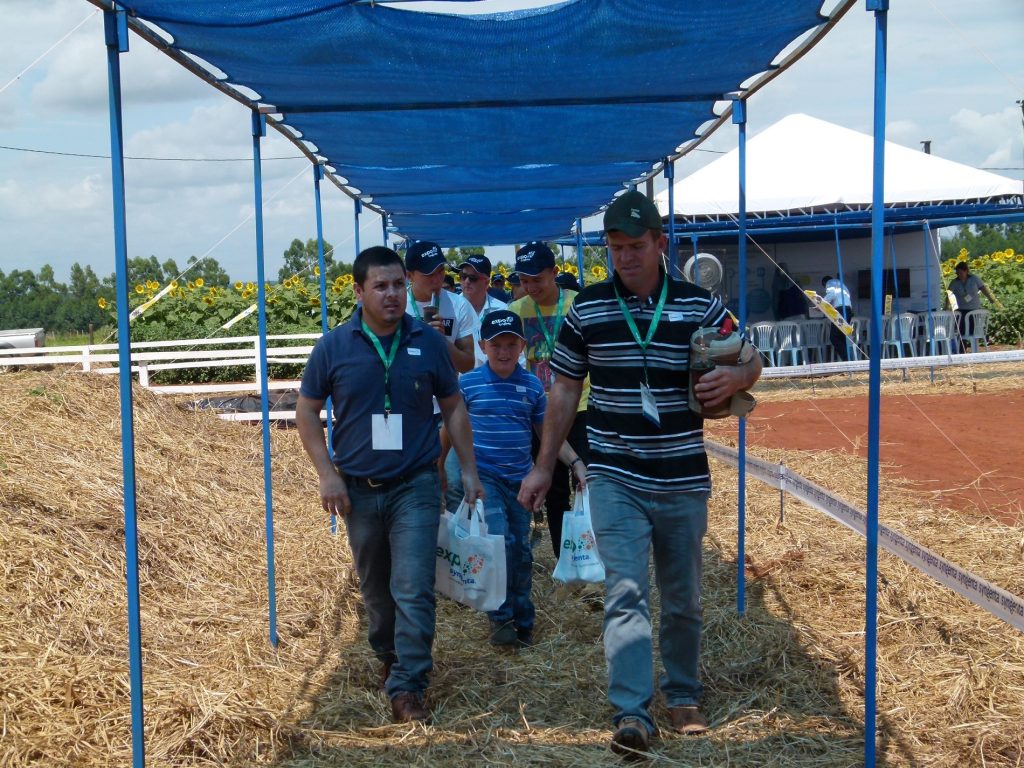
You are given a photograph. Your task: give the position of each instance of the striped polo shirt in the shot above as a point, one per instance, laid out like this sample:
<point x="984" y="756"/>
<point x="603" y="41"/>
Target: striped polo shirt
<point x="595" y="340"/>
<point x="503" y="413"/>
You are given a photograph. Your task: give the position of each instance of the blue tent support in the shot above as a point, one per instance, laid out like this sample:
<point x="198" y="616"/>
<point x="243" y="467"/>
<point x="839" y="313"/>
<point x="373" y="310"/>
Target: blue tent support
<point x="357" y="208"/>
<point x="739" y="118"/>
<point x="696" y="259"/>
<point x="318" y="175"/>
<point x="929" y="323"/>
<point x="842" y="289"/>
<point x="896" y="310"/>
<point x="880" y="8"/>
<point x="673" y="252"/>
<point x="580" y="256"/>
<point x="115" y="32"/>
<point x="259" y="129"/>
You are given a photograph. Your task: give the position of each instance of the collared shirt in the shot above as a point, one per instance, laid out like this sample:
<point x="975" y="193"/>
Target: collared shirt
<point x="595" y="340"/>
<point x="491" y="304"/>
<point x="345" y="366"/>
<point x="837" y="294"/>
<point x="455" y="311"/>
<point x="503" y="412"/>
<point x="536" y="340"/>
<point x="967" y="292"/>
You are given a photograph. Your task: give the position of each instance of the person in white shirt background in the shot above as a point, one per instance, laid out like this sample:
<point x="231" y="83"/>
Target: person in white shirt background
<point x="474" y="276"/>
<point x="838" y="295"/>
<point x="448" y="313"/>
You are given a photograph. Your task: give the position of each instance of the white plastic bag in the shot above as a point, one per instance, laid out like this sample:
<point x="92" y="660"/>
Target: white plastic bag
<point x="578" y="559"/>
<point x="470" y="565"/>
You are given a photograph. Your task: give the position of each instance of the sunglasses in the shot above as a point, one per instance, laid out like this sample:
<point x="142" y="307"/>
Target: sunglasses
<point x="466" y="277"/>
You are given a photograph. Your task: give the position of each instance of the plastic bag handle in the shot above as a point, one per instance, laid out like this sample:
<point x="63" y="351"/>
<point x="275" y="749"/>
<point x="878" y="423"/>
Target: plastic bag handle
<point x="474" y="514"/>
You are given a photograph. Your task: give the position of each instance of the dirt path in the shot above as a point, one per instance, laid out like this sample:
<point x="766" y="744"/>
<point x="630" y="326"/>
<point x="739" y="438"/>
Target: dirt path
<point x="982" y="472"/>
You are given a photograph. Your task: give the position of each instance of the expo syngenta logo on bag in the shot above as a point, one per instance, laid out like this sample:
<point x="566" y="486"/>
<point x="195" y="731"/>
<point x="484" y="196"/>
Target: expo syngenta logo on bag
<point x="582" y="548"/>
<point x="464" y="572"/>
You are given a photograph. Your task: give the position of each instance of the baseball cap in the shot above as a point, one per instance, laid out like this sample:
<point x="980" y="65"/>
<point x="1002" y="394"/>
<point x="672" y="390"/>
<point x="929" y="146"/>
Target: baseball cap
<point x="497" y="277"/>
<point x="479" y="263"/>
<point x="566" y="280"/>
<point x="424" y="257"/>
<point x="633" y="214"/>
<point x="534" y="258"/>
<point x="513" y="278"/>
<point x="501" y="321"/>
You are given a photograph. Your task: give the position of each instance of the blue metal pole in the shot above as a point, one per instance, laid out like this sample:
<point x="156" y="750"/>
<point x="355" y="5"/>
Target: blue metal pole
<point x="384" y="227"/>
<point x="318" y="175"/>
<point x="895" y="285"/>
<point x="673" y="256"/>
<point x="739" y="118"/>
<point x="928" y="290"/>
<point x="696" y="260"/>
<point x="259" y="129"/>
<point x="842" y="285"/>
<point x="357" y="208"/>
<point x="115" y="29"/>
<point x="880" y="9"/>
<point x="580" y="260"/>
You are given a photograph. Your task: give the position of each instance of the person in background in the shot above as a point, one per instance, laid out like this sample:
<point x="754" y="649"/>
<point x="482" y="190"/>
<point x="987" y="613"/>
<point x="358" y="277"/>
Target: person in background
<point x="567" y="281"/>
<point x="838" y="295"/>
<point x="647" y="471"/>
<point x="517" y="287"/>
<point x="506" y="404"/>
<point x="449" y="283"/>
<point x="497" y="289"/>
<point x="967" y="289"/>
<point x="543" y="310"/>
<point x="383" y="481"/>
<point x="448" y="313"/>
<point x="474" y="273"/>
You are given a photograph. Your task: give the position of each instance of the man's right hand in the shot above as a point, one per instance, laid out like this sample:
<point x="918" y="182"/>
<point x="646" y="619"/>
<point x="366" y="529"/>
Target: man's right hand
<point x="534" y="489"/>
<point x="334" y="495"/>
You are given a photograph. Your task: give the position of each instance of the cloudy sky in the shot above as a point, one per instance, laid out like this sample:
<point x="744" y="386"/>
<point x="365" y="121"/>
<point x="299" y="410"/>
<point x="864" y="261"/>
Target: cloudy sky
<point x="955" y="72"/>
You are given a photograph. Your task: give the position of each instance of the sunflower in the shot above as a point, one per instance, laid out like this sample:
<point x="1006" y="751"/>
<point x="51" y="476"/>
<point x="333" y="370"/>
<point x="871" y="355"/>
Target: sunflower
<point x="174" y="283"/>
<point x="102" y="303"/>
<point x="239" y="286"/>
<point x="208" y="301"/>
<point x="140" y="289"/>
<point x="977" y="264"/>
<point x="200" y="282"/>
<point x="153" y="285"/>
<point x="316" y="271"/>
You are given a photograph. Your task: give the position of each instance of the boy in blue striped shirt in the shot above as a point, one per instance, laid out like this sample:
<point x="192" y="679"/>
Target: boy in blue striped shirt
<point x="505" y="402"/>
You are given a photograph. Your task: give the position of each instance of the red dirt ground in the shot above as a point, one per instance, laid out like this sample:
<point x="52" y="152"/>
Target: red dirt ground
<point x="986" y="427"/>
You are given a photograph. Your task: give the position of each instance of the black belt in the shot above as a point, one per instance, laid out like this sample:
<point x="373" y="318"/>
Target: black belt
<point x="386" y="483"/>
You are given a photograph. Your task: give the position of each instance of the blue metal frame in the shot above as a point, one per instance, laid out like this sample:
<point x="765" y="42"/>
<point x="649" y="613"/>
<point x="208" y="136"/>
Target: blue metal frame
<point x="357" y="208"/>
<point x="930" y="322"/>
<point x="842" y="287"/>
<point x="318" y="175"/>
<point x="673" y="252"/>
<point x="880" y="8"/>
<point x="739" y="118"/>
<point x="115" y="31"/>
<point x="580" y="259"/>
<point x="259" y="129"/>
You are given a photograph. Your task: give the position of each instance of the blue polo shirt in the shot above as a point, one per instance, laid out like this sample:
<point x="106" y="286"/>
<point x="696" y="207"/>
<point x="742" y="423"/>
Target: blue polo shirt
<point x="503" y="412"/>
<point x="345" y="366"/>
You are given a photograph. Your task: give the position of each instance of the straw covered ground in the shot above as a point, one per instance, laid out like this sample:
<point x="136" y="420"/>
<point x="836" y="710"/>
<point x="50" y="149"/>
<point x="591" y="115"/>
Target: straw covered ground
<point x="784" y="681"/>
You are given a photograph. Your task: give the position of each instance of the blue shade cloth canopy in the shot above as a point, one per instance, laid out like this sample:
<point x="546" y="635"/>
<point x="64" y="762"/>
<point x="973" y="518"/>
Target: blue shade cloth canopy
<point x="434" y="115"/>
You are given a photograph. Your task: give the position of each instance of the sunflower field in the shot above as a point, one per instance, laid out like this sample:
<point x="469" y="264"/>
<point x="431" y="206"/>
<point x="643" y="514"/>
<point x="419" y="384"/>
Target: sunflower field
<point x="194" y="310"/>
<point x="1003" y="273"/>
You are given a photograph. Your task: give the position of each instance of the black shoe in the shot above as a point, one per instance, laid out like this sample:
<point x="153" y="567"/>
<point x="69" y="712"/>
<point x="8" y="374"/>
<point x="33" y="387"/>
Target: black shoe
<point x="503" y="633"/>
<point x="631" y="739"/>
<point x="524" y="637"/>
<point x="409" y="707"/>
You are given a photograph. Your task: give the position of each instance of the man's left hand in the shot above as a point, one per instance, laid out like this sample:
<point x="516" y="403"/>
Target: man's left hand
<point x="717" y="386"/>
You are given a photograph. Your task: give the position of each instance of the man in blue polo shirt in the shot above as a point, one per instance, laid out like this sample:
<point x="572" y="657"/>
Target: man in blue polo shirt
<point x="381" y="370"/>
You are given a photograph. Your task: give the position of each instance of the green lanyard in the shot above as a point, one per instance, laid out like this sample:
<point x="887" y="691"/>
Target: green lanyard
<point x="551" y="336"/>
<point x="654" y="321"/>
<point x="387" y="359"/>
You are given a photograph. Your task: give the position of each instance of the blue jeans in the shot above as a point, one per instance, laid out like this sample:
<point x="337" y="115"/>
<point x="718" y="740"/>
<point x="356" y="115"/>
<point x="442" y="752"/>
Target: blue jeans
<point x="627" y="522"/>
<point x="393" y="536"/>
<point x="453" y="472"/>
<point x="507" y="517"/>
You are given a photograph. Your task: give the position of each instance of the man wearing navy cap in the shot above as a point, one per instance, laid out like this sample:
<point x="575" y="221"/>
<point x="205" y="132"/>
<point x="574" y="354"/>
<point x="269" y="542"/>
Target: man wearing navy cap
<point x="474" y="273"/>
<point x="647" y="472"/>
<point x="543" y="309"/>
<point x="497" y="289"/>
<point x="447" y="312"/>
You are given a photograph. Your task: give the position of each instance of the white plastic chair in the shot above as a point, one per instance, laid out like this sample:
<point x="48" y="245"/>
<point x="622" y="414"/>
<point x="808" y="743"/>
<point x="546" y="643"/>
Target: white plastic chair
<point x="763" y="337"/>
<point x="899" y="332"/>
<point x="939" y="330"/>
<point x="975" y="327"/>
<point x="814" y="335"/>
<point x="860" y="339"/>
<point x="787" y="335"/>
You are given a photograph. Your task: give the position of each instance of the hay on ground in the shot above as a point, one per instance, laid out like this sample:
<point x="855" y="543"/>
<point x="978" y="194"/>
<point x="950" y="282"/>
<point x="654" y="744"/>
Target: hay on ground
<point x="784" y="680"/>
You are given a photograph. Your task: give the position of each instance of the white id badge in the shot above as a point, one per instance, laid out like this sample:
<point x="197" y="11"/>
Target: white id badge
<point x="650" y="405"/>
<point x="387" y="433"/>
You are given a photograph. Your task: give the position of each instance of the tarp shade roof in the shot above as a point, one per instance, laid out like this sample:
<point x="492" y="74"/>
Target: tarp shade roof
<point x="435" y="116"/>
<point x="805" y="164"/>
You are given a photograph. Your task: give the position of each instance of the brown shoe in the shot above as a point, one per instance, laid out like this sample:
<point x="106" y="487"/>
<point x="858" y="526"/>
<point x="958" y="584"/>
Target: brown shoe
<point x="631" y="739"/>
<point x="687" y="720"/>
<point x="408" y="707"/>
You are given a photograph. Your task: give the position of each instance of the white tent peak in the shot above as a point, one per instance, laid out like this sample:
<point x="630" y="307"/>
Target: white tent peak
<point x="803" y="164"/>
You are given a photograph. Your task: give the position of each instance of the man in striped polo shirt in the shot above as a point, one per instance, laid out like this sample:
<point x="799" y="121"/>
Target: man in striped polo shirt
<point x="647" y="471"/>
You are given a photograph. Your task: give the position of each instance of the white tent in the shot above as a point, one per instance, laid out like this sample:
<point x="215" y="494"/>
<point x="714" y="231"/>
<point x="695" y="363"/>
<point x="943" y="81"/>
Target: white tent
<point x="803" y="164"/>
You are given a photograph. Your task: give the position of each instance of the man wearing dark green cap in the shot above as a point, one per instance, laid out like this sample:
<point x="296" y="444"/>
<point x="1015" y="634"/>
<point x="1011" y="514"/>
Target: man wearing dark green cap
<point x="648" y="473"/>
